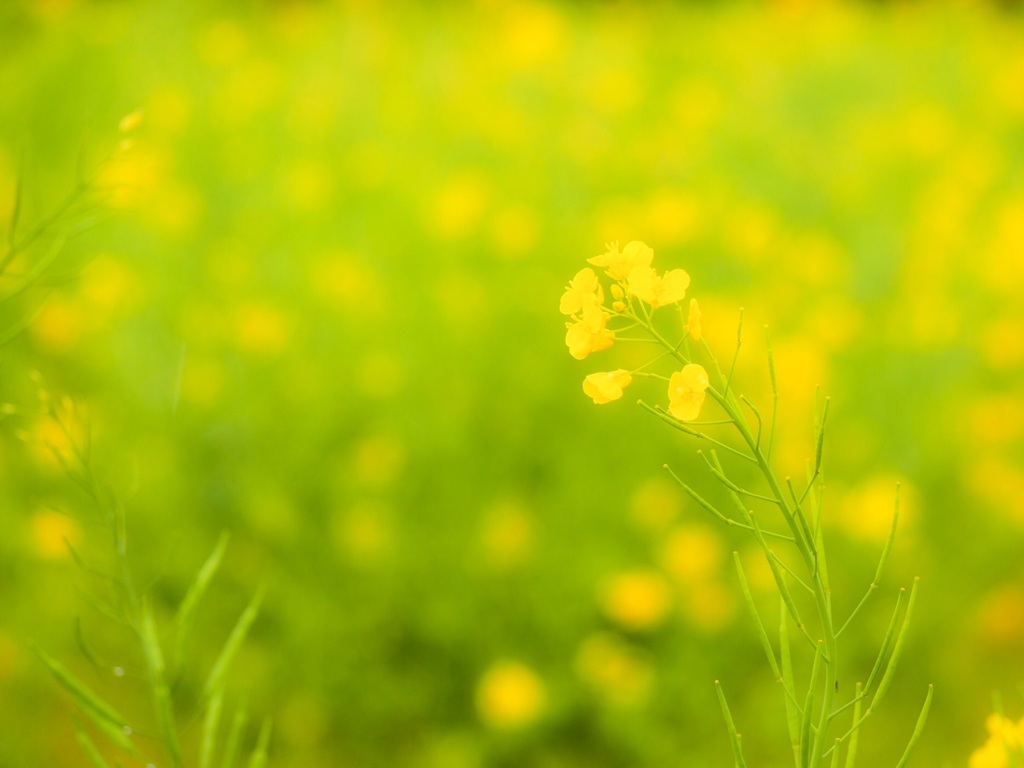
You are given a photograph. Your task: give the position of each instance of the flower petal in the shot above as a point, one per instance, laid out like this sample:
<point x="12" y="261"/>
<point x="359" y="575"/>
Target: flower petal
<point x="606" y="386"/>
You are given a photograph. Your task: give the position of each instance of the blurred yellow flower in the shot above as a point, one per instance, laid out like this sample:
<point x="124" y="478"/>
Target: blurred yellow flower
<point x="588" y="334"/>
<point x="584" y="291"/>
<point x="645" y="284"/>
<point x="620" y="263"/>
<point x="617" y="671"/>
<point x="1005" y="741"/>
<point x="606" y="386"/>
<point x="637" y="600"/>
<point x="693" y="326"/>
<point x="507" y="535"/>
<point x="509" y="695"/>
<point x="52" y="533"/>
<point x="686" y="392"/>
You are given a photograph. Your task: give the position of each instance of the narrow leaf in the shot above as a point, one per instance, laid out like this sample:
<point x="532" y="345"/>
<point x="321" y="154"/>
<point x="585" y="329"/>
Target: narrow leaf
<point x="886" y="642"/>
<point x="897" y="649"/>
<point x="102" y="714"/>
<point x="734" y="737"/>
<point x="161" y="694"/>
<point x="211" y="722"/>
<point x="793" y="711"/>
<point x="89" y="748"/>
<point x="918" y="728"/>
<point x="234" y="642"/>
<point x="234" y="740"/>
<point x="186" y="611"/>
<point x="851" y="751"/>
<point x="259" y="754"/>
<point x="758" y="625"/>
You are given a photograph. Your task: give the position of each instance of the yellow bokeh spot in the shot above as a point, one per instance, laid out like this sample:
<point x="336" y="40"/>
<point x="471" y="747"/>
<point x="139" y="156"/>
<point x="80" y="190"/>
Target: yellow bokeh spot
<point x="132" y="176"/>
<point x="510" y="695"/>
<point x="109" y="285"/>
<point x="995" y="419"/>
<point x="457" y="207"/>
<point x="515" y="231"/>
<point x="709" y="605"/>
<point x="60" y="323"/>
<point x="378" y="460"/>
<point x="618" y="672"/>
<point x="692" y="554"/>
<point x="750" y="232"/>
<point x="1000" y="617"/>
<point x="1001" y="343"/>
<point x="695" y="107"/>
<point x="637" y="600"/>
<point x="998" y="481"/>
<point x="1000" y="266"/>
<point x="246" y="90"/>
<point x="168" y="110"/>
<point x="757" y="570"/>
<point x="174" y="209"/>
<point x="344" y="281"/>
<point x="46" y="440"/>
<point x="865" y="511"/>
<point x="532" y="33"/>
<point x="673" y="217"/>
<point x="51" y="532"/>
<point x="655" y="504"/>
<point x="308" y="186"/>
<point x="51" y="10"/>
<point x="507" y="534"/>
<point x="614" y="91"/>
<point x="364" y="532"/>
<point x="222" y="43"/>
<point x="262" y="328"/>
<point x="1006" y="82"/>
<point x="928" y="130"/>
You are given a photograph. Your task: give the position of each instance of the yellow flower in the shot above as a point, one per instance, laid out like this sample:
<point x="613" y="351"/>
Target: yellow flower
<point x="638" y="600"/>
<point x="686" y="392"/>
<point x="606" y="386"/>
<point x="588" y="334"/>
<point x="510" y="695"/>
<point x="645" y="284"/>
<point x="620" y="263"/>
<point x="584" y="291"/>
<point x="692" y="326"/>
<point x="1004" y="742"/>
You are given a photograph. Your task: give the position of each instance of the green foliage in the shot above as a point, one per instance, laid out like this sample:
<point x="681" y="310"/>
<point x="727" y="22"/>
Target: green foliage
<point x="313" y="304"/>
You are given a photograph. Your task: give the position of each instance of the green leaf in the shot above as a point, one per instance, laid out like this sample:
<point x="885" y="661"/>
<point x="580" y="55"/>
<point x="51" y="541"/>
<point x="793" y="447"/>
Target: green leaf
<point x="734" y="737"/>
<point x="220" y="668"/>
<point x="106" y="718"/>
<point x="259" y="754"/>
<point x="186" y="611"/>
<point x="161" y="694"/>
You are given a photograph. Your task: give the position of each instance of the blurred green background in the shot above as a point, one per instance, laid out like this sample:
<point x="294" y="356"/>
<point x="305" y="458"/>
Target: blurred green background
<point x="318" y="307"/>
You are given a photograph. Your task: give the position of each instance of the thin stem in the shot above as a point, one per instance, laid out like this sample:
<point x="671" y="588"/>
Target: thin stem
<point x="736" y="354"/>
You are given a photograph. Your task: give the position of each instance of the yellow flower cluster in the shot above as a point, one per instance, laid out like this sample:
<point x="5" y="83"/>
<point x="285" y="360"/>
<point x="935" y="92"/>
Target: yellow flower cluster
<point x="1005" y="745"/>
<point x="634" y="278"/>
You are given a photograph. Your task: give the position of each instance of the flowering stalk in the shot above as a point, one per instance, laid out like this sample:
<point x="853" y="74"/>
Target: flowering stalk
<point x="638" y="291"/>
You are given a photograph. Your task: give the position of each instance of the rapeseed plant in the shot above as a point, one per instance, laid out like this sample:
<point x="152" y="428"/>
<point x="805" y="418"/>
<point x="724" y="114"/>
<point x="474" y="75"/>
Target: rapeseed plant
<point x="814" y="718"/>
<point x="58" y="429"/>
